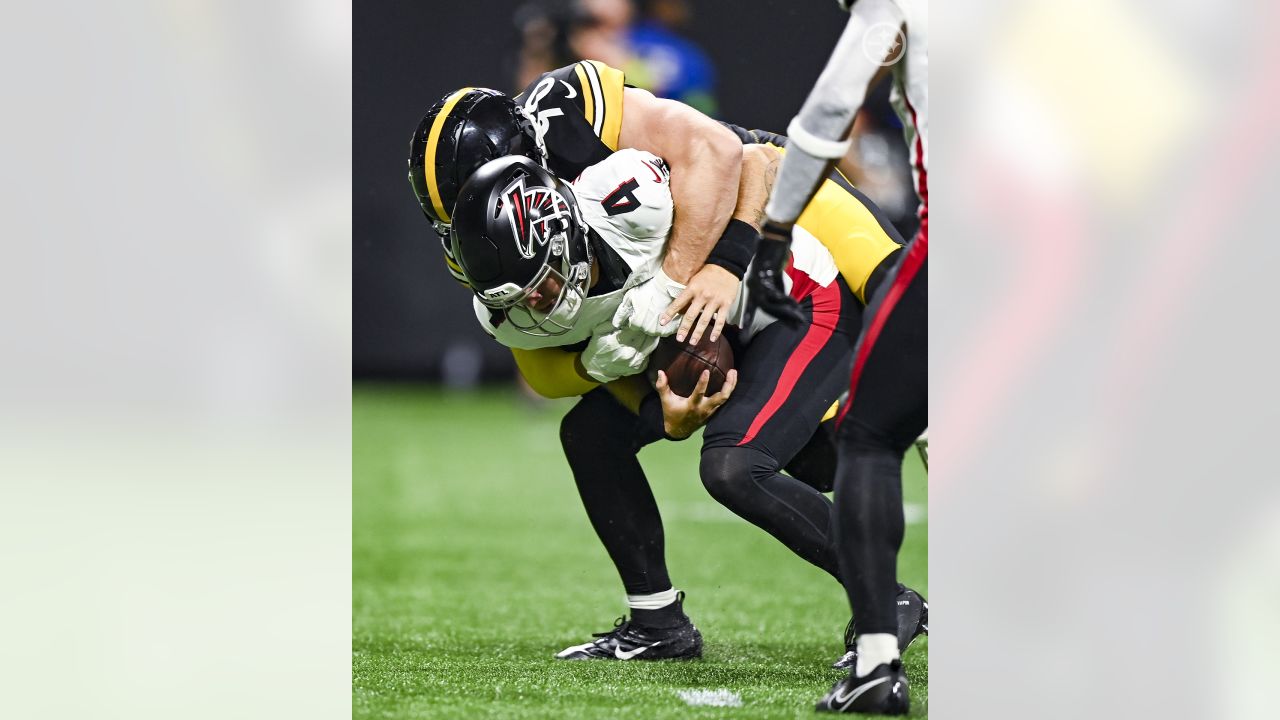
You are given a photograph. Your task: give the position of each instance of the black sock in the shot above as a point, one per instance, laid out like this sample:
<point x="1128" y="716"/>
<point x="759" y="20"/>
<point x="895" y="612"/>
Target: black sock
<point x="600" y="439"/>
<point x="664" y="617"/>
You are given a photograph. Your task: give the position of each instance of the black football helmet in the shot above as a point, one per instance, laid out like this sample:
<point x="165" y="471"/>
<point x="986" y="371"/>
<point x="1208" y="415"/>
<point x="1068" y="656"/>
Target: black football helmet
<point x="463" y="131"/>
<point x="522" y="245"/>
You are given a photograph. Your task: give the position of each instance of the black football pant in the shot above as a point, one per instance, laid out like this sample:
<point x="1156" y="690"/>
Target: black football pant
<point x="887" y="409"/>
<point x="788" y="376"/>
<point x="600" y="439"/>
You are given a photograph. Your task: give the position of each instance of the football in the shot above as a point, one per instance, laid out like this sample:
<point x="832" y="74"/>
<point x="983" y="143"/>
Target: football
<point x="683" y="363"/>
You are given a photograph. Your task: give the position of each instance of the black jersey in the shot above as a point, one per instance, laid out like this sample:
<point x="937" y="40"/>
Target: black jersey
<point x="578" y="111"/>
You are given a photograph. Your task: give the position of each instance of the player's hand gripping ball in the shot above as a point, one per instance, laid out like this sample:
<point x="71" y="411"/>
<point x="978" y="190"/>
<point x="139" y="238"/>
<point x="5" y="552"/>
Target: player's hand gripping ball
<point x="683" y="363"/>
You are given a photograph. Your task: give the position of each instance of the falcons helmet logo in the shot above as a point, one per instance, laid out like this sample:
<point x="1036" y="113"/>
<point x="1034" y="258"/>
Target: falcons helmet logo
<point x="536" y="215"/>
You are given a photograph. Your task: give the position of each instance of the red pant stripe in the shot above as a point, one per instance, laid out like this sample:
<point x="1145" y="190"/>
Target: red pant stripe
<point x="911" y="264"/>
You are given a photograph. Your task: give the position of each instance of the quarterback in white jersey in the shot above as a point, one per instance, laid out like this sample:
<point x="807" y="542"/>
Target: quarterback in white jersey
<point x="624" y="205"/>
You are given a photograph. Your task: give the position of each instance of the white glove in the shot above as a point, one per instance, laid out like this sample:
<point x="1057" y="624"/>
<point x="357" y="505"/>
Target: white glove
<point x="643" y="305"/>
<point x="616" y="354"/>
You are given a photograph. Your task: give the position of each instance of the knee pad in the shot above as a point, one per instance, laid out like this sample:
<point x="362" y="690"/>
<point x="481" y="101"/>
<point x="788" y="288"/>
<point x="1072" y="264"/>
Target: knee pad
<point x="729" y="473"/>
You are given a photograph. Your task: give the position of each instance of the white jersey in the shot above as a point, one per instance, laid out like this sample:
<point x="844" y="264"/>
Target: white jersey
<point x="626" y="199"/>
<point x="864" y="48"/>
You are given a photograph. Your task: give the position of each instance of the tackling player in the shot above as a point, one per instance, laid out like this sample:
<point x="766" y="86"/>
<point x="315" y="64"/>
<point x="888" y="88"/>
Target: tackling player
<point x="574" y="117"/>
<point x="550" y="265"/>
<point x="570" y="118"/>
<point x="887" y="407"/>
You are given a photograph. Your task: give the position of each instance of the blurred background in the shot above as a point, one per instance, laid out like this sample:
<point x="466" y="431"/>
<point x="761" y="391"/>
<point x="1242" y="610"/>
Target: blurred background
<point x="411" y="320"/>
<point x="176" y="416"/>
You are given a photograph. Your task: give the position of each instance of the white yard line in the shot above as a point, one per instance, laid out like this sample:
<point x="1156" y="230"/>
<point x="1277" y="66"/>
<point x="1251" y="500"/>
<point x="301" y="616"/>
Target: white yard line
<point x="713" y="698"/>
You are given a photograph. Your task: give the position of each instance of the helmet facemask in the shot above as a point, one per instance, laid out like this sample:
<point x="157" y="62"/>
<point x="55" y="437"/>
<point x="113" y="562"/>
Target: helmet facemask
<point x="567" y="263"/>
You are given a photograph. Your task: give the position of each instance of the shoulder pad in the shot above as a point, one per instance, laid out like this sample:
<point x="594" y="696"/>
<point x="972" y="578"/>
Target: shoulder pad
<point x="578" y="108"/>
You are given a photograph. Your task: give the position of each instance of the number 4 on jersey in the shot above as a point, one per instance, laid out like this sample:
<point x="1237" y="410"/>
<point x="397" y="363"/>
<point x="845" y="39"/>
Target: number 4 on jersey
<point x="622" y="199"/>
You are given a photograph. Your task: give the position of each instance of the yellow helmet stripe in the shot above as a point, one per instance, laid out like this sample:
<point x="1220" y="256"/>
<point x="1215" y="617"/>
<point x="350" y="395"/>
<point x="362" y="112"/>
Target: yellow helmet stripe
<point x="429" y="159"/>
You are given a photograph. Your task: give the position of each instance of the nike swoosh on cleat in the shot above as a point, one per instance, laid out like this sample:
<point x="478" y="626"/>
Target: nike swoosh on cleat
<point x="618" y="652"/>
<point x="846" y="700"/>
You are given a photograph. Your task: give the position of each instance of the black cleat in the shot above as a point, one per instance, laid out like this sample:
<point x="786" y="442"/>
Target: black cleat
<point x="629" y="641"/>
<point x="913" y="621"/>
<point x="883" y="691"/>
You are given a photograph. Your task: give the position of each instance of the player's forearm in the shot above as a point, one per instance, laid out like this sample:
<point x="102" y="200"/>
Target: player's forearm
<point x="819" y="133"/>
<point x="704" y="188"/>
<point x="759" y="169"/>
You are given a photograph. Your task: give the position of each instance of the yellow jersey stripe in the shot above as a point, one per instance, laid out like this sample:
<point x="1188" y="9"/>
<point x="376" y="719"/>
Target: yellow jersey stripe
<point x="610" y="102"/>
<point x="848" y="230"/>
<point x="429" y="160"/>
<point x="588" y="97"/>
<point x="850" y="233"/>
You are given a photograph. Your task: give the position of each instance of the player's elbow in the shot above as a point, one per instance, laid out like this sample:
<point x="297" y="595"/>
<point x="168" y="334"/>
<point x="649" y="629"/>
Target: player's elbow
<point x="723" y="149"/>
<point x="710" y="147"/>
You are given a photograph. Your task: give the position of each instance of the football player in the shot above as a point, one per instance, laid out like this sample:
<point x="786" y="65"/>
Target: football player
<point x="550" y="265"/>
<point x="887" y="407"/>
<point x="574" y="117"/>
<point x="570" y="118"/>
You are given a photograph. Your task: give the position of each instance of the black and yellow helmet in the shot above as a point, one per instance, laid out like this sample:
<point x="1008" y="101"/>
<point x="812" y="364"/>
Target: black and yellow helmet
<point x="463" y="131"/>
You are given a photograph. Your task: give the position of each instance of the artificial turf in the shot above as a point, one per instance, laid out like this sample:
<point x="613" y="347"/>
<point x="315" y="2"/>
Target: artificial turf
<point x="474" y="563"/>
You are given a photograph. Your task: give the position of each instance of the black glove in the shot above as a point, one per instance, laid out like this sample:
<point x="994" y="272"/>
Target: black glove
<point x="765" y="283"/>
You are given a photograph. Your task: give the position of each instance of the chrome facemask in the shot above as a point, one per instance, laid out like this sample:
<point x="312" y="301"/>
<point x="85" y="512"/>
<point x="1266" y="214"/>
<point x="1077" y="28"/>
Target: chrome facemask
<point x="574" y="278"/>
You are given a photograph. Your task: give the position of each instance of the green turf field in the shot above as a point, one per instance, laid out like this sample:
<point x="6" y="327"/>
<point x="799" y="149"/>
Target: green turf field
<point x="474" y="564"/>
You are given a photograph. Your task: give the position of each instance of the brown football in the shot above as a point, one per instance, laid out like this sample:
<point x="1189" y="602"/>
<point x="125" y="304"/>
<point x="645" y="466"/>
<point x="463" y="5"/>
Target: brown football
<point x="683" y="363"/>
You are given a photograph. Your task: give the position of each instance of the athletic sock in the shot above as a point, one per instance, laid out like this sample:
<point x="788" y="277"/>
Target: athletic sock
<point x="875" y="649"/>
<point x="657" y="609"/>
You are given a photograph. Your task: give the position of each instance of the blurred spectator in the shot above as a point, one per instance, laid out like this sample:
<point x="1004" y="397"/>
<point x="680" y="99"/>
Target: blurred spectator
<point x="667" y="64"/>
<point x="554" y="33"/>
<point x="543" y="27"/>
<point x="600" y="32"/>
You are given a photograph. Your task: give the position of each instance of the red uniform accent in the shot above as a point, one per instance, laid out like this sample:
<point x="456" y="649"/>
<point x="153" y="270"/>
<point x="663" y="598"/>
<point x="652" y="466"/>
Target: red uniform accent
<point x="922" y="187"/>
<point x="826" y="314"/>
<point x="916" y="254"/>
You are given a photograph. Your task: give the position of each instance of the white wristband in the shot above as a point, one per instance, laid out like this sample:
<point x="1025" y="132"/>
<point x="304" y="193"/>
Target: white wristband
<point x="814" y="145"/>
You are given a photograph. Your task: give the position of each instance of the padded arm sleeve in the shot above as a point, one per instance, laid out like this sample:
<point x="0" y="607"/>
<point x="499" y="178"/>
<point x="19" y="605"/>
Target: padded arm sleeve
<point x="818" y="133"/>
